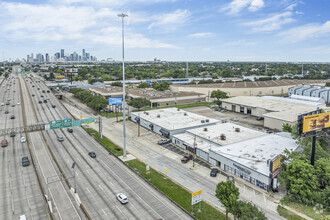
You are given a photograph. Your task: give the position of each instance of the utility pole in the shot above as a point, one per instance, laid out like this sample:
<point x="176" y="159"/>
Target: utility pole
<point x="186" y="69"/>
<point x="302" y="69"/>
<point x="139" y="126"/>
<point x="313" y="149"/>
<point x="100" y="127"/>
<point x="194" y="151"/>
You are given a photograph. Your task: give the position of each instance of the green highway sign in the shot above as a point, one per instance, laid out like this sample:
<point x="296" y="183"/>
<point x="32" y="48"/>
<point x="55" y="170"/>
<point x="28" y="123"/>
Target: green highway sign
<point x="76" y="123"/>
<point x="87" y="121"/>
<point x="67" y="122"/>
<point x="56" y="124"/>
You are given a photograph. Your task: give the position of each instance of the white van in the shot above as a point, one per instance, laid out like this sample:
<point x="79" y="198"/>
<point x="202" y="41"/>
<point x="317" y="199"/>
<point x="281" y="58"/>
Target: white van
<point x="22" y="217"/>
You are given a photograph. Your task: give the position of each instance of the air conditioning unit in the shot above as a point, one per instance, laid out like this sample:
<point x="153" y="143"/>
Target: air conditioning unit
<point x="185" y="114"/>
<point x="223" y="137"/>
<point x="237" y="129"/>
<point x="158" y="116"/>
<point x="207" y="120"/>
<point x="205" y="129"/>
<point x="202" y="121"/>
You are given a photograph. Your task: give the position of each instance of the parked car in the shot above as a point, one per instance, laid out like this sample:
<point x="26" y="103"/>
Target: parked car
<point x="4" y="143"/>
<point x="92" y="154"/>
<point x="2" y="103"/>
<point x="12" y="117"/>
<point x="95" y="113"/>
<point x="260" y="118"/>
<point x="163" y="141"/>
<point x="6" y="112"/>
<point x="60" y="138"/>
<point x="186" y="158"/>
<point x="23" y="139"/>
<point x="122" y="198"/>
<point x="269" y="131"/>
<point x="12" y="134"/>
<point x="7" y="103"/>
<point x="25" y="161"/>
<point x="214" y="172"/>
<point x="53" y="106"/>
<point x="70" y="130"/>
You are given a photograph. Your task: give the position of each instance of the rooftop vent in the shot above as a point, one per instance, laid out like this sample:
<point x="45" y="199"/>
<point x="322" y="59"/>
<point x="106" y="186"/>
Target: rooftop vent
<point x="202" y="121"/>
<point x="185" y="114"/>
<point x="207" y="120"/>
<point x="237" y="129"/>
<point x="223" y="137"/>
<point x="178" y="109"/>
<point x="147" y="113"/>
<point x="205" y="129"/>
<point x="158" y="116"/>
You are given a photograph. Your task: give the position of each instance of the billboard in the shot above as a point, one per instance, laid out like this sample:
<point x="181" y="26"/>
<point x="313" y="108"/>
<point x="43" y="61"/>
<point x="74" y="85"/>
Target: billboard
<point x="316" y="122"/>
<point x="59" y="77"/>
<point x="115" y="100"/>
<point x="275" y="163"/>
<point x="196" y="197"/>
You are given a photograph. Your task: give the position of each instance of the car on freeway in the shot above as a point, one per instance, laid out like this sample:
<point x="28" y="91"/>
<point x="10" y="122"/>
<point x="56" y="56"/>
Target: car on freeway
<point x="214" y="172"/>
<point x="43" y="91"/>
<point x="186" y="158"/>
<point x="45" y="101"/>
<point x="12" y="117"/>
<point x="23" y="139"/>
<point x="163" y="141"/>
<point x="60" y="138"/>
<point x="32" y="94"/>
<point x="12" y="134"/>
<point x="7" y="103"/>
<point x="260" y="118"/>
<point x="8" y="100"/>
<point x="40" y="101"/>
<point x="13" y="105"/>
<point x="122" y="198"/>
<point x="2" y="103"/>
<point x="25" y="161"/>
<point x="32" y="85"/>
<point x="48" y="91"/>
<point x="4" y="143"/>
<point x="42" y="96"/>
<point x="53" y="106"/>
<point x="70" y="130"/>
<point x="92" y="154"/>
<point x="38" y="88"/>
<point x="18" y="103"/>
<point x="6" y="112"/>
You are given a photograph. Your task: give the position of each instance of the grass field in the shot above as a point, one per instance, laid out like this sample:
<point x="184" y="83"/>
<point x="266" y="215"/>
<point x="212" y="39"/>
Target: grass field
<point x="180" y="195"/>
<point x="287" y="214"/>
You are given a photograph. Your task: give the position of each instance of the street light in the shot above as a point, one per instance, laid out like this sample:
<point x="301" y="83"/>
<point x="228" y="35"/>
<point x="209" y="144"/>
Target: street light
<point x="122" y="15"/>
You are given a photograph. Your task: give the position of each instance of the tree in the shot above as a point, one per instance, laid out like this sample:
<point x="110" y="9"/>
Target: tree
<point x="144" y="85"/>
<point x="287" y="127"/>
<point x="161" y="86"/>
<point x="247" y="211"/>
<point x="76" y="90"/>
<point x="119" y="84"/>
<point x="139" y="102"/>
<point x="300" y="179"/>
<point x="218" y="94"/>
<point x="322" y="171"/>
<point x="227" y="193"/>
<point x="97" y="102"/>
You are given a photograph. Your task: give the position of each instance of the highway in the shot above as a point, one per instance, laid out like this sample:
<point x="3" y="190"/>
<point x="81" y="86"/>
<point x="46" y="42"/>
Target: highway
<point x="100" y="179"/>
<point x="19" y="187"/>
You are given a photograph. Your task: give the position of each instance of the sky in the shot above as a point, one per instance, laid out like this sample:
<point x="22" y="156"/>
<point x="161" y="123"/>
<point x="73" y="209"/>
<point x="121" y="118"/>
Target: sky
<point x="171" y="30"/>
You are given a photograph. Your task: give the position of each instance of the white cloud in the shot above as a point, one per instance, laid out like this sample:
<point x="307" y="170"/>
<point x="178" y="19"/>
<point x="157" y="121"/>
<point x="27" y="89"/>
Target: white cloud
<point x="272" y="23"/>
<point x="108" y="2"/>
<point x="49" y="23"/>
<point x="291" y="7"/>
<point x="170" y="21"/>
<point x="199" y="35"/>
<point x="299" y="12"/>
<point x="237" y="5"/>
<point x="306" y="32"/>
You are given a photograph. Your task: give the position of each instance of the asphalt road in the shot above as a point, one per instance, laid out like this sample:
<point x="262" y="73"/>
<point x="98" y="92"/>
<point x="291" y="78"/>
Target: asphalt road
<point x="19" y="189"/>
<point x="99" y="179"/>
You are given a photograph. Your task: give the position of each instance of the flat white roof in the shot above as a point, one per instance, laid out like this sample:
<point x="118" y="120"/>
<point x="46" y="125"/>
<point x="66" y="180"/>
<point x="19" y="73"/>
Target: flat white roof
<point x="214" y="132"/>
<point x="284" y="116"/>
<point x="297" y="100"/>
<point x="255" y="152"/>
<point x="174" y="118"/>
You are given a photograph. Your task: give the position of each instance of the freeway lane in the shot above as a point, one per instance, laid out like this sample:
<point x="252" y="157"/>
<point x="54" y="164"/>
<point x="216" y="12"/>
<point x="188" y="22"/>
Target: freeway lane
<point x="101" y="178"/>
<point x="20" y="192"/>
<point x="63" y="206"/>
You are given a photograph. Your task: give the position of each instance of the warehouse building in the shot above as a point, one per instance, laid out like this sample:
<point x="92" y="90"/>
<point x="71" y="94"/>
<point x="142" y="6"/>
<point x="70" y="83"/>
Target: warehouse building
<point x="311" y="91"/>
<point x="170" y="121"/>
<point x="248" y="154"/>
<point x="276" y="111"/>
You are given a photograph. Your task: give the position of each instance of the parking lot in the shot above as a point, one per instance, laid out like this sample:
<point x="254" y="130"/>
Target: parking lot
<point x="229" y="116"/>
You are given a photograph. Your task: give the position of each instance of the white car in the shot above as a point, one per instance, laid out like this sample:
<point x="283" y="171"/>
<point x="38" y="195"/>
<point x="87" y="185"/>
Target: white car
<point x="2" y="103"/>
<point x="18" y="103"/>
<point x="122" y="198"/>
<point x="23" y="139"/>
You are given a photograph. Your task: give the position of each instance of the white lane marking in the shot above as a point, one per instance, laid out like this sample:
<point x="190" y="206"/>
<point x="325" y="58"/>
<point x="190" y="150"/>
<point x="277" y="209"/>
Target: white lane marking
<point x="101" y="187"/>
<point x="121" y="212"/>
<point x="104" y="212"/>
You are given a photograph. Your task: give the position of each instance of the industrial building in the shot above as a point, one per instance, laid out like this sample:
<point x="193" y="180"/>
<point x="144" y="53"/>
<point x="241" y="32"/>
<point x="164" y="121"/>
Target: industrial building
<point x="170" y="121"/>
<point x="311" y="91"/>
<point x="248" y="154"/>
<point x="276" y="111"/>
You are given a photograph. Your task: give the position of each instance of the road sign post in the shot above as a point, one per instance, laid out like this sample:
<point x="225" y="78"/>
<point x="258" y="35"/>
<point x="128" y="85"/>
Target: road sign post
<point x="196" y="197"/>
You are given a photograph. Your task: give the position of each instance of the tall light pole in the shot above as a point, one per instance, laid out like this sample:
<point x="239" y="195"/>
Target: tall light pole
<point x="122" y="15"/>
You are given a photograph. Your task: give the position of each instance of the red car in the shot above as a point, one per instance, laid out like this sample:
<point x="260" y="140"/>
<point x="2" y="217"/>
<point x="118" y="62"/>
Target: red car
<point x="4" y="143"/>
<point x="186" y="158"/>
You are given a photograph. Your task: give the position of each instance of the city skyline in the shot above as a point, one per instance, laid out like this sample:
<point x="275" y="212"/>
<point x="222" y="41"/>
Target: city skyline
<point x="172" y="30"/>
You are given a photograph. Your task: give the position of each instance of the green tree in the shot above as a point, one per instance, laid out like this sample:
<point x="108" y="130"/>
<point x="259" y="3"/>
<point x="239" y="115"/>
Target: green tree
<point x="287" y="127"/>
<point x="247" y="211"/>
<point x="119" y="84"/>
<point x="227" y="193"/>
<point x="300" y="179"/>
<point x="161" y="86"/>
<point x="97" y="102"/>
<point x="76" y="90"/>
<point x="322" y="171"/>
<point x="144" y="85"/>
<point x="218" y="94"/>
<point x="83" y="95"/>
<point x="139" y="102"/>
